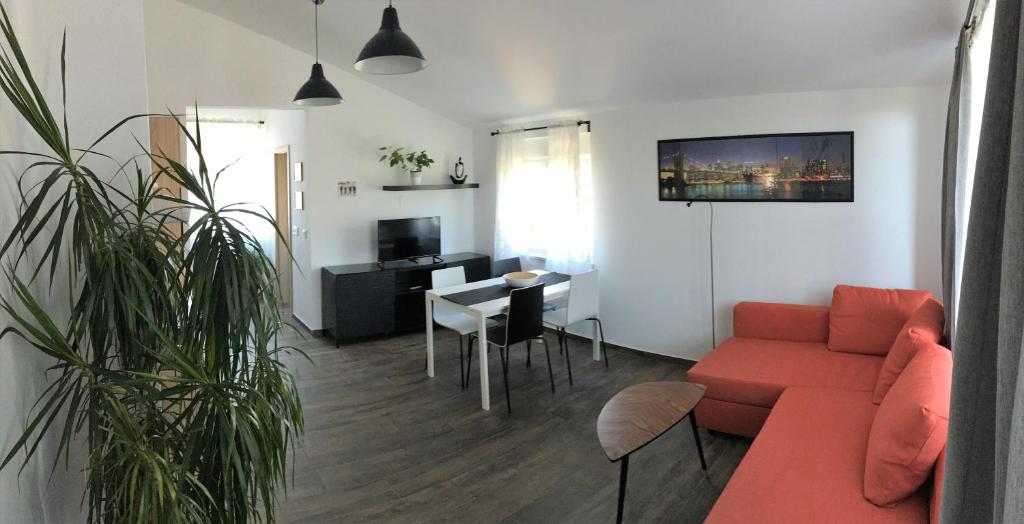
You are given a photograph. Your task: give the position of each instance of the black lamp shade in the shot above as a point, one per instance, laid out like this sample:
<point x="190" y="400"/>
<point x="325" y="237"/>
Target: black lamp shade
<point x="390" y="51"/>
<point x="317" y="91"/>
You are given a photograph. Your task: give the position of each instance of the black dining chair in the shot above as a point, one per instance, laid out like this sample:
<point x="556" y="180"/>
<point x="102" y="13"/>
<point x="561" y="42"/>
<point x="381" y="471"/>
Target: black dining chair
<point x="525" y="324"/>
<point x="505" y="266"/>
<point x="500" y="268"/>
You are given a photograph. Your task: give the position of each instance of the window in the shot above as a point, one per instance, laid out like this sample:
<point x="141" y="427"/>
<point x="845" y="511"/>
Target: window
<point x="545" y="197"/>
<point x="972" y="106"/>
<point x="242" y="151"/>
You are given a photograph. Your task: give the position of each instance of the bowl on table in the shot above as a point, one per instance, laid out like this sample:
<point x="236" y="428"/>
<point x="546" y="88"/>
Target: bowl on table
<point x="519" y="279"/>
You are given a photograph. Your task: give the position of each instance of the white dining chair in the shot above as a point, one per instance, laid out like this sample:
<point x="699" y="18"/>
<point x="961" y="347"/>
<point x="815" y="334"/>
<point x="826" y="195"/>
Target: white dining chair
<point x="449" y="317"/>
<point x="581" y="306"/>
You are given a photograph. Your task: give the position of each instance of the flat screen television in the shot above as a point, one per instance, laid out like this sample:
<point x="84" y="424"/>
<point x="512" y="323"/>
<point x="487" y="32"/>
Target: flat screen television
<point x="408" y="238"/>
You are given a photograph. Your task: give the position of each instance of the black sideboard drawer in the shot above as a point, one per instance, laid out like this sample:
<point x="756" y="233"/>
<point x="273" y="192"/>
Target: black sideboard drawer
<point x="365" y="304"/>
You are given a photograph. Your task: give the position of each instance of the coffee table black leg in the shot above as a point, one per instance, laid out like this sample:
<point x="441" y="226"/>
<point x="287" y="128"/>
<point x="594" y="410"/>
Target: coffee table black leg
<point x="696" y="437"/>
<point x="623" y="471"/>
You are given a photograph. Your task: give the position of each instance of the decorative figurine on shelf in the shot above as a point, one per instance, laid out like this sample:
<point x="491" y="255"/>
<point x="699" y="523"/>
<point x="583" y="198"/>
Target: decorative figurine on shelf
<point x="460" y="173"/>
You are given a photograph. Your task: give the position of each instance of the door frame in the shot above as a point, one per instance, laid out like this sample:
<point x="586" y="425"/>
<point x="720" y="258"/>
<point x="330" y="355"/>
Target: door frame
<point x="166" y="139"/>
<point x="282" y="201"/>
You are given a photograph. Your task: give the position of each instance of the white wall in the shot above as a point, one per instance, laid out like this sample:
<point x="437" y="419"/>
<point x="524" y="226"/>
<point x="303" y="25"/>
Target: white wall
<point x="220" y="63"/>
<point x="106" y="72"/>
<point x="287" y="128"/>
<point x="653" y="256"/>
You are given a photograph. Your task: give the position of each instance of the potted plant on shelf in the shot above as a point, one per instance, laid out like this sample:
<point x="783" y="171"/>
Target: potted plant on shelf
<point x="411" y="162"/>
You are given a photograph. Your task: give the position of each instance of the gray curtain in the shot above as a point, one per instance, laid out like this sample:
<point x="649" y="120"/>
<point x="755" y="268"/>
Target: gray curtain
<point x="984" y="478"/>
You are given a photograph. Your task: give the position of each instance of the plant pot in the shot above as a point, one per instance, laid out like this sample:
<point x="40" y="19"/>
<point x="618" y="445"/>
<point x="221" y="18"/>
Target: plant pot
<point x="416" y="177"/>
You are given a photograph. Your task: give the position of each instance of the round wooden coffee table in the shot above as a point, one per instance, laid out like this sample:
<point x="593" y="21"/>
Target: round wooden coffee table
<point x="639" y="414"/>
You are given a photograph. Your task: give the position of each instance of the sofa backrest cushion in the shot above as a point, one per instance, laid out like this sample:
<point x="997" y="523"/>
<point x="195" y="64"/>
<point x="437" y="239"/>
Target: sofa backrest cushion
<point x="867" y="320"/>
<point x="910" y="427"/>
<point x="792" y="322"/>
<point x="923" y="328"/>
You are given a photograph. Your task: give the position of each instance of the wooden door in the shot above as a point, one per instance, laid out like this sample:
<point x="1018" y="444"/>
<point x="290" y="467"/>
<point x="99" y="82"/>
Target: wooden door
<point x="283" y="258"/>
<point x="166" y="139"/>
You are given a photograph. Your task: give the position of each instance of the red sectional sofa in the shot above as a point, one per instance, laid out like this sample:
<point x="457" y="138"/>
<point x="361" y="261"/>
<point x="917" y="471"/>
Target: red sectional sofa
<point x="811" y="407"/>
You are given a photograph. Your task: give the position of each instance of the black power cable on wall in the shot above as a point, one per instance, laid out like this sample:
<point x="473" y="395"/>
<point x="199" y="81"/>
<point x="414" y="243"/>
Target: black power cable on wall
<point x="711" y="258"/>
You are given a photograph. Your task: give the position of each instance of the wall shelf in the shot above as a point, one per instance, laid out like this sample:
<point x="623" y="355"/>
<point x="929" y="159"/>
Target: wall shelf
<point x="431" y="187"/>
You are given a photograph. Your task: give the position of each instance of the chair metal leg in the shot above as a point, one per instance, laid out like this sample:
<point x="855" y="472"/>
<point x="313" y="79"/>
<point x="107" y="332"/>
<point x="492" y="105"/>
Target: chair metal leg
<point x="623" y="472"/>
<point x="696" y="438"/>
<point x="604" y="348"/>
<point x="469" y="360"/>
<point x="551" y="375"/>
<point x="504" y="372"/>
<point x="568" y="362"/>
<point x="528" y="353"/>
<point x="462" y="364"/>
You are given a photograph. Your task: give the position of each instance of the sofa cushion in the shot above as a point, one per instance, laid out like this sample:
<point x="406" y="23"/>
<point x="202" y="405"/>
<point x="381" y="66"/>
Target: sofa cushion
<point x="794" y="322"/>
<point x="867" y="320"/>
<point x="909" y="430"/>
<point x="807" y="465"/>
<point x="755" y="372"/>
<point x="924" y="327"/>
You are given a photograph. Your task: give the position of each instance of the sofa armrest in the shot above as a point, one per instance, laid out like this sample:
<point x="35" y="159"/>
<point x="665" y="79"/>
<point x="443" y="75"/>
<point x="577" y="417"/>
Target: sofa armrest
<point x="794" y="322"/>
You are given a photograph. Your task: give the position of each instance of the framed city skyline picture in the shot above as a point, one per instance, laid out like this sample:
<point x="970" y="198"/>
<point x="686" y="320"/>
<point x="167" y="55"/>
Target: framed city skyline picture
<point x="792" y="167"/>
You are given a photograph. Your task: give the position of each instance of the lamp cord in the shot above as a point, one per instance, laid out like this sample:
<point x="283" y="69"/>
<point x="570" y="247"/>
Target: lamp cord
<point x="316" y="30"/>
<point x="711" y="256"/>
<point x="711" y="259"/>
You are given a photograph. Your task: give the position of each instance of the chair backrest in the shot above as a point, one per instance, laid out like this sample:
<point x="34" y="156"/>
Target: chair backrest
<point x="583" y="301"/>
<point x="451" y="276"/>
<point x="507" y="265"/>
<point x="525" y="314"/>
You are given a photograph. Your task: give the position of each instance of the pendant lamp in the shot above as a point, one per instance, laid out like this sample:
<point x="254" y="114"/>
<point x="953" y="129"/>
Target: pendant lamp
<point x="317" y="91"/>
<point x="390" y="51"/>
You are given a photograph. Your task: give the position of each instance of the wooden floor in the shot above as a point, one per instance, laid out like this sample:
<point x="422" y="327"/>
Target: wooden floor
<point x="386" y="444"/>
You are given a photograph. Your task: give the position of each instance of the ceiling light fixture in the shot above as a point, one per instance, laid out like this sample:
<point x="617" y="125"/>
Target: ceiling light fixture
<point x="317" y="91"/>
<point x="390" y="51"/>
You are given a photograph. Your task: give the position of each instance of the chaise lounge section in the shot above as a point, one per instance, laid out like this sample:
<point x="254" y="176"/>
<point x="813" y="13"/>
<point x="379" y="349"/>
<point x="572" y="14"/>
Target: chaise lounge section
<point x="807" y="465"/>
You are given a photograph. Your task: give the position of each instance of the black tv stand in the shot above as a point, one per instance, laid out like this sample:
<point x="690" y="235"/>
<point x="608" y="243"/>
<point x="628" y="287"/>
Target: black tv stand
<point x="374" y="299"/>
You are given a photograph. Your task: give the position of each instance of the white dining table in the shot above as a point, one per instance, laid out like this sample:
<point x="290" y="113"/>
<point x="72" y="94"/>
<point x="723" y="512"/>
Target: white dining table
<point x="481" y="312"/>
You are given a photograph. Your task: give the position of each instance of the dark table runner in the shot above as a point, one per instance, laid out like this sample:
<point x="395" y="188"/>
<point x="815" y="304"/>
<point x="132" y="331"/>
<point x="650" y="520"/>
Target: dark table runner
<point x="489" y="293"/>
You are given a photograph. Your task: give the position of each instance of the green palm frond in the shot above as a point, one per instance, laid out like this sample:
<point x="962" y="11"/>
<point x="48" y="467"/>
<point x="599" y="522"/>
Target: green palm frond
<point x="169" y="364"/>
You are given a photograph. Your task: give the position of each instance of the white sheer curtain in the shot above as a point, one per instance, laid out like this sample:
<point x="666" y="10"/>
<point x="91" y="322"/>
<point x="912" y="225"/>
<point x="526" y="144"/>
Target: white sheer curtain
<point x="568" y="231"/>
<point x="545" y="198"/>
<point x="516" y="173"/>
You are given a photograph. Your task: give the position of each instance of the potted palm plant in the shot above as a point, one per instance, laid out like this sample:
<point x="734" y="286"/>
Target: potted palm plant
<point x="169" y="366"/>
<point x="414" y="163"/>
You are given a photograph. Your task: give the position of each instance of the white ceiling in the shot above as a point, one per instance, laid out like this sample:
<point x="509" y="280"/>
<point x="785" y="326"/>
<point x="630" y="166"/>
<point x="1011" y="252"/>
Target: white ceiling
<point x="498" y="60"/>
